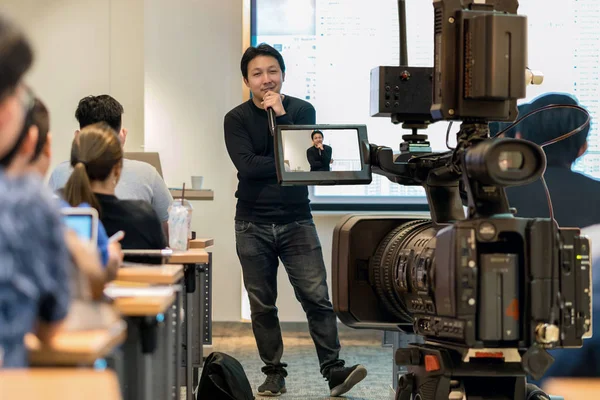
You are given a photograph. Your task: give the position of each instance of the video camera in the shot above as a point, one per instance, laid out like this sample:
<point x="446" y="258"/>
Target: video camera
<point x="489" y="292"/>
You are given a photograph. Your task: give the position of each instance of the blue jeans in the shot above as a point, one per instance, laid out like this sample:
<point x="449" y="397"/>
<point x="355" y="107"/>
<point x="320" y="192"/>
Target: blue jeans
<point x="259" y="248"/>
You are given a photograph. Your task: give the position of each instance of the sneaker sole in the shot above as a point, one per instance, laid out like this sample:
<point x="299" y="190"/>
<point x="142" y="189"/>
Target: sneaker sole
<point x="356" y="376"/>
<point x="268" y="393"/>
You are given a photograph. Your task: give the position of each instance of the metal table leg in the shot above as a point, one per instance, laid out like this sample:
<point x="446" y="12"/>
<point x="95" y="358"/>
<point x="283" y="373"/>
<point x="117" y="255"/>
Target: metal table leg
<point x="177" y="308"/>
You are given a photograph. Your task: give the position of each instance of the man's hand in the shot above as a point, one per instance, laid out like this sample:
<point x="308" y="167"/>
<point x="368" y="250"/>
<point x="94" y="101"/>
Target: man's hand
<point x="320" y="146"/>
<point x="274" y="100"/>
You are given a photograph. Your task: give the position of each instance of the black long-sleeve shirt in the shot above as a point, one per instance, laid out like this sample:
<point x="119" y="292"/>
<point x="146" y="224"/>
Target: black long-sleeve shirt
<point x="319" y="160"/>
<point x="250" y="146"/>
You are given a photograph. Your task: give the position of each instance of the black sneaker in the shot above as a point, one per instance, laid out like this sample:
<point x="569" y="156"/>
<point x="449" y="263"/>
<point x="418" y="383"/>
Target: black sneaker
<point x="343" y="379"/>
<point x="274" y="385"/>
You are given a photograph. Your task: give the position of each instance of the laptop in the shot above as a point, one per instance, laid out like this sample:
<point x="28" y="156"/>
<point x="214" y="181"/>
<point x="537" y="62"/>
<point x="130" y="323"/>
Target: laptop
<point x="151" y="158"/>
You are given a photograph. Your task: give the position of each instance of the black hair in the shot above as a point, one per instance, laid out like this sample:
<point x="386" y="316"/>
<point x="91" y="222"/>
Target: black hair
<point x="261" y="50"/>
<point x="550" y="124"/>
<point x="103" y="108"/>
<point x="312" y="135"/>
<point x="16" y="56"/>
<point x="41" y="119"/>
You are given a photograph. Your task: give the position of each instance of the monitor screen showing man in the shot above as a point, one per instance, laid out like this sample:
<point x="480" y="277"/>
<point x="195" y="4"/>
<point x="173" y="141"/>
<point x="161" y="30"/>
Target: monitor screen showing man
<point x="329" y="150"/>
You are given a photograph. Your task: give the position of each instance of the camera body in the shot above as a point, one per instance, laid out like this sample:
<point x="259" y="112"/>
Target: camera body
<point x="465" y="279"/>
<point x="477" y="283"/>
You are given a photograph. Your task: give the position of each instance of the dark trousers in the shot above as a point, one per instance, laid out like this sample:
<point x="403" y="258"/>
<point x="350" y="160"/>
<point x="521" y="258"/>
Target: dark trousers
<point x="259" y="248"/>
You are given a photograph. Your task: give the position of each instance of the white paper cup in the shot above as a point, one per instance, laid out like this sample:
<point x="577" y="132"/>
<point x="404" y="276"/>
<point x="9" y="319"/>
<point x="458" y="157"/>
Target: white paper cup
<point x="197" y="182"/>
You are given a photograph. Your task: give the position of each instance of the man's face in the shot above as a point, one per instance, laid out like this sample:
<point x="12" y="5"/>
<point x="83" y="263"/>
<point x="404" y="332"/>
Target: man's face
<point x="264" y="74"/>
<point x="317" y="139"/>
<point x="12" y="115"/>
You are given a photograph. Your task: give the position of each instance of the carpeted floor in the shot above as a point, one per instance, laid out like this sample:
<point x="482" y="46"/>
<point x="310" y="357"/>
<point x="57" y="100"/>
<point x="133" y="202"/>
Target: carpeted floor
<point x="304" y="381"/>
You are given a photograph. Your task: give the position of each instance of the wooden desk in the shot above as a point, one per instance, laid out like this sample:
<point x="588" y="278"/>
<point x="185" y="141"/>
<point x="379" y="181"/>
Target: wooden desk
<point x="59" y="384"/>
<point x="143" y="306"/>
<point x="156" y="275"/>
<point x="201" y="243"/>
<point x="193" y="194"/>
<point x="192" y="256"/>
<point x="573" y="388"/>
<point x="76" y="348"/>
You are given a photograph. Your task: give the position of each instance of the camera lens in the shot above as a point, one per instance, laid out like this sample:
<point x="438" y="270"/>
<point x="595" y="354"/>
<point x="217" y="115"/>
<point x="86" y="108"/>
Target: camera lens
<point x="403" y="266"/>
<point x="505" y="162"/>
<point x="510" y="160"/>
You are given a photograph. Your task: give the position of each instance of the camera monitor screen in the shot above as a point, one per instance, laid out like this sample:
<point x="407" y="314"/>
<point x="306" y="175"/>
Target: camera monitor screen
<point x="322" y="154"/>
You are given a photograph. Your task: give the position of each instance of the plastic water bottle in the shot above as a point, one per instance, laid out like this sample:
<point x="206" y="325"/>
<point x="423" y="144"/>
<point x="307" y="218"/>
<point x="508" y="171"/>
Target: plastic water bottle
<point x="180" y="224"/>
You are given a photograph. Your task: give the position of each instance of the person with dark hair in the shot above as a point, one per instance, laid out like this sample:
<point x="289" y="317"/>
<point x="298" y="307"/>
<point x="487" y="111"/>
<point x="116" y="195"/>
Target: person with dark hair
<point x="274" y="223"/>
<point x="37" y="154"/>
<point x="97" y="161"/>
<point x="110" y="254"/>
<point x="34" y="279"/>
<point x="566" y="186"/>
<point x="16" y="57"/>
<point x="139" y="180"/>
<point x="319" y="154"/>
<point x="102" y="108"/>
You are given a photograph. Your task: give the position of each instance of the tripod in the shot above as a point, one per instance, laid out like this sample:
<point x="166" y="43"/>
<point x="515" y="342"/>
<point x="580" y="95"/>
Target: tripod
<point x="441" y="373"/>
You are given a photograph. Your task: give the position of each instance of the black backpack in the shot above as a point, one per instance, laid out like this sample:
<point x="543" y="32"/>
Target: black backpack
<point x="223" y="378"/>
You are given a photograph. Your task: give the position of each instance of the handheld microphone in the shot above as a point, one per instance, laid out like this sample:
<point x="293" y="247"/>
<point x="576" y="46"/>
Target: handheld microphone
<point x="272" y="123"/>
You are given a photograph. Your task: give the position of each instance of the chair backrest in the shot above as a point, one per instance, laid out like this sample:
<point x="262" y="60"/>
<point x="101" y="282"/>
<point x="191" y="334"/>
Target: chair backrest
<point x="151" y="158"/>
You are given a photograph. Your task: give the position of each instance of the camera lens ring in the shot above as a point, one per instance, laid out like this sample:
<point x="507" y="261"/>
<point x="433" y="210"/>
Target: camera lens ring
<point x="384" y="262"/>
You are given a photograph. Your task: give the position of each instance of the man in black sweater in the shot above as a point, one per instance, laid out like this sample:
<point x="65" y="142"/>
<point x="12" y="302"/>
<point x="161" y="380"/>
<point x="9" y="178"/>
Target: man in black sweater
<point x="274" y="222"/>
<point x="319" y="154"/>
<point x="575" y="196"/>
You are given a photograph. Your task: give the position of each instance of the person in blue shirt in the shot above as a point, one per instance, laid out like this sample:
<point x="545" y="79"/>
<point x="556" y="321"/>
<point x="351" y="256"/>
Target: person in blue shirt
<point x="34" y="278"/>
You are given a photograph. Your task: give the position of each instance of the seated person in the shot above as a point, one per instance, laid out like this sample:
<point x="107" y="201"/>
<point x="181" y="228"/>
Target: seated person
<point x="567" y="188"/>
<point x="37" y="124"/>
<point x="97" y="161"/>
<point x="34" y="279"/>
<point x="139" y="180"/>
<point x="319" y="154"/>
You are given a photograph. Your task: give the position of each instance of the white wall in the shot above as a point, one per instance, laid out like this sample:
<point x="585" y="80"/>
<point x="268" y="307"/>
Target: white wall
<point x="84" y="47"/>
<point x="192" y="53"/>
<point x="295" y="144"/>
